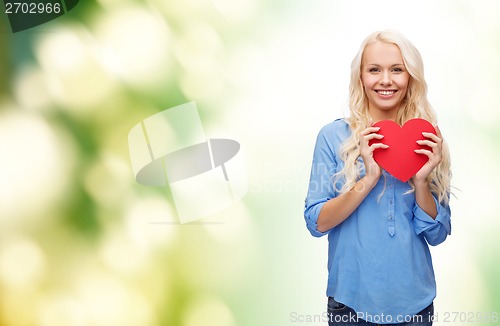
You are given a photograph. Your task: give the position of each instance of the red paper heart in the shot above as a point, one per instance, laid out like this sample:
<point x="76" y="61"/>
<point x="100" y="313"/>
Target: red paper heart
<point x="399" y="159"/>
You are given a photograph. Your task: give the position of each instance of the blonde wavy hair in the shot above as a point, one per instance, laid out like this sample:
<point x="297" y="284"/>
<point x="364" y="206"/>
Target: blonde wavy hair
<point x="414" y="105"/>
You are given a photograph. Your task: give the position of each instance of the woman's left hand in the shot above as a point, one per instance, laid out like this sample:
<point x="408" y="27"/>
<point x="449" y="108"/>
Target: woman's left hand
<point x="435" y="155"/>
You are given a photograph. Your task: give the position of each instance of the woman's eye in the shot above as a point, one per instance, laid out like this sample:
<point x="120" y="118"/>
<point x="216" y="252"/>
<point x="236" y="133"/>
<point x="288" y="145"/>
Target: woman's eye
<point x="373" y="70"/>
<point x="397" y="70"/>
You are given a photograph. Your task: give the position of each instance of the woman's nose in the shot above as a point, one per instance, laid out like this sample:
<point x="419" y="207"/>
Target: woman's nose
<point x="385" y="78"/>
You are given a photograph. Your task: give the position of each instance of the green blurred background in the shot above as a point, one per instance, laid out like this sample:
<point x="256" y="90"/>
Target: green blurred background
<point x="82" y="244"/>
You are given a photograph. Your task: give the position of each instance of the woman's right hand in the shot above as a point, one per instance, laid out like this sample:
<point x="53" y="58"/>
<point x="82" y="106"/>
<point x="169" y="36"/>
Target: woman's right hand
<point x="373" y="170"/>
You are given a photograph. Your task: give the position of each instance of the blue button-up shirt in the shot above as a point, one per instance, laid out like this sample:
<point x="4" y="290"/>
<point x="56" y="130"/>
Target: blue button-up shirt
<point x="379" y="262"/>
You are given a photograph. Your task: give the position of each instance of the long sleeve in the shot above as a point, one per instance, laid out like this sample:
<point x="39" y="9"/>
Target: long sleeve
<point x="436" y="230"/>
<point x="321" y="187"/>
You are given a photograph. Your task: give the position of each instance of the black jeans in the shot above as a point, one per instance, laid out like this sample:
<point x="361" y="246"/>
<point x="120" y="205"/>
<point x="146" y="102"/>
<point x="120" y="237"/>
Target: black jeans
<point x="341" y="315"/>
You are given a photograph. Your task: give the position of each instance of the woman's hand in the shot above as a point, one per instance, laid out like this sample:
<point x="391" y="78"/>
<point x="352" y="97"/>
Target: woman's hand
<point x="435" y="155"/>
<point x="373" y="170"/>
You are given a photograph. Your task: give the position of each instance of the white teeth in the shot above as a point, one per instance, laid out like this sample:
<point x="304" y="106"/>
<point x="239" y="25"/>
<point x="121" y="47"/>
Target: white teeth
<point x="386" y="92"/>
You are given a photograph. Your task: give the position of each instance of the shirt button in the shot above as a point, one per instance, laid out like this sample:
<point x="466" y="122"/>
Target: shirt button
<point x="390" y="217"/>
<point x="390" y="201"/>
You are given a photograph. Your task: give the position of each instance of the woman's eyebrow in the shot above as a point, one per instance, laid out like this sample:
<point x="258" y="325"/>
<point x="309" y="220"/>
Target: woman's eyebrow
<point x="377" y="65"/>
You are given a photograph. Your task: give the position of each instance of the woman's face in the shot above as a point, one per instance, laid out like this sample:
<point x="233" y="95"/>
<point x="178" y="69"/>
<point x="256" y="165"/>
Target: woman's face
<point x="384" y="79"/>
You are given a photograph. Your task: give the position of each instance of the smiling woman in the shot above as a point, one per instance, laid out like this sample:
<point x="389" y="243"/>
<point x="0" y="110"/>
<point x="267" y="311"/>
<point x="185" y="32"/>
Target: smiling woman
<point x="379" y="228"/>
<point x="385" y="80"/>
